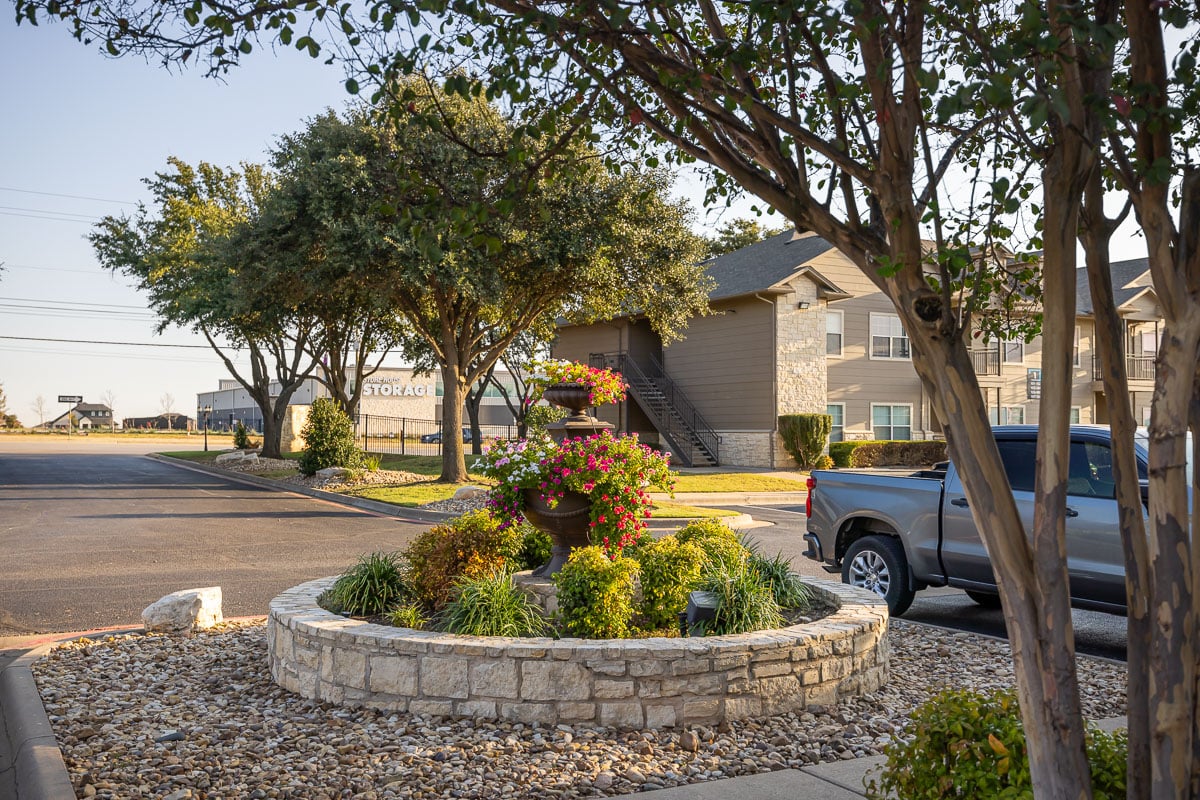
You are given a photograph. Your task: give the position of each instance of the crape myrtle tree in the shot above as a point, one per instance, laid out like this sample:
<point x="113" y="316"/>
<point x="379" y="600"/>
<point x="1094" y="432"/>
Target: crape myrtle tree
<point x="473" y="245"/>
<point x="856" y="121"/>
<point x="179" y="250"/>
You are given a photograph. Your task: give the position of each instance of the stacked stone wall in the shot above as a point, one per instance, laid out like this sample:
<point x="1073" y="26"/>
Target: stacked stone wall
<point x="627" y="683"/>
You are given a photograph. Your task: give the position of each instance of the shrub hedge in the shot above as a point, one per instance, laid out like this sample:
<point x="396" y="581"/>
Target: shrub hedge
<point x="805" y="436"/>
<point x="595" y="594"/>
<point x="887" y="453"/>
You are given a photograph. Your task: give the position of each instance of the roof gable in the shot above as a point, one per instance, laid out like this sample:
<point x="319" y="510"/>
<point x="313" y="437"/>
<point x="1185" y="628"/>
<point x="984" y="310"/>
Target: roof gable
<point x="767" y="264"/>
<point x="1130" y="281"/>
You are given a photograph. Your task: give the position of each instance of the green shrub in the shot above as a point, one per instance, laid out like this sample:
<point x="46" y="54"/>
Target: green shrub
<point x="669" y="569"/>
<point x="745" y="602"/>
<point x="966" y="744"/>
<point x="469" y="546"/>
<point x="490" y="605"/>
<point x="370" y="461"/>
<point x="408" y="615"/>
<point x="805" y="436"/>
<point x="786" y="586"/>
<point x="536" y="547"/>
<point x="716" y="539"/>
<point x="328" y="438"/>
<point x="887" y="453"/>
<point x="824" y="462"/>
<point x="595" y="594"/>
<point x="241" y="436"/>
<point x="372" y="586"/>
<point x="539" y="416"/>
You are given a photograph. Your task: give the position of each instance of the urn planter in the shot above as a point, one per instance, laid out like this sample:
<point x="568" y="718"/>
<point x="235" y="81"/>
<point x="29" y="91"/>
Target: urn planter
<point x="566" y="524"/>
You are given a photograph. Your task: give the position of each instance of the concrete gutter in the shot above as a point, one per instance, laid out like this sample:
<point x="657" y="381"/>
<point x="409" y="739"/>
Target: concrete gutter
<point x="37" y="768"/>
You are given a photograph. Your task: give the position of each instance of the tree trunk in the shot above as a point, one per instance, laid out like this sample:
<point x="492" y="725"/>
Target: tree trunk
<point x="1110" y="337"/>
<point x="454" y="465"/>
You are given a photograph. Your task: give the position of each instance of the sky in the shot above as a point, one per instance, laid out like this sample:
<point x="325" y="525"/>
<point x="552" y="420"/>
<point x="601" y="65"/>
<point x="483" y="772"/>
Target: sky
<point x="80" y="132"/>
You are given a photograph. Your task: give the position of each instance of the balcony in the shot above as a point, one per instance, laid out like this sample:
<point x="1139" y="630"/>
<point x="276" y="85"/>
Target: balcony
<point x="986" y="362"/>
<point x="1137" y="368"/>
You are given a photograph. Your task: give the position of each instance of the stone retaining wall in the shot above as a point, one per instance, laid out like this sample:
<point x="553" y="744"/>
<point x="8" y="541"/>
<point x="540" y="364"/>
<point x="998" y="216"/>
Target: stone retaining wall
<point x="623" y="683"/>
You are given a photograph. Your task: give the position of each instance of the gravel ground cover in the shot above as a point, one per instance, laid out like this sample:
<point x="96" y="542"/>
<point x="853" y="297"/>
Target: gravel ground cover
<point x="199" y="717"/>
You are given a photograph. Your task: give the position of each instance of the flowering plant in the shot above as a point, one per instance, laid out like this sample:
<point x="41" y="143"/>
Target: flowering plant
<point x="604" y="385"/>
<point x="613" y="471"/>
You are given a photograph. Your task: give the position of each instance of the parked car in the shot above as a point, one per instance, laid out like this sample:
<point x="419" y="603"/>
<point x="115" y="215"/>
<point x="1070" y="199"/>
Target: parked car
<point x="896" y="534"/>
<point x="436" y="438"/>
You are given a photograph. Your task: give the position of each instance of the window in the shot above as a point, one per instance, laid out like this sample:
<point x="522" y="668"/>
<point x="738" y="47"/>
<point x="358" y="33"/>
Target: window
<point x="838" y="412"/>
<point x="833" y="333"/>
<point x="1075" y="352"/>
<point x="888" y="339"/>
<point x="1007" y="415"/>
<point x="891" y="422"/>
<point x="1019" y="459"/>
<point x="1012" y="352"/>
<point x="1076" y="411"/>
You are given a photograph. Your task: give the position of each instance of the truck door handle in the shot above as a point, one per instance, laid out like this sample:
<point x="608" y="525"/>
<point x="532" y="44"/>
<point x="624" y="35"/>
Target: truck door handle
<point x="961" y="502"/>
<point x="1072" y="512"/>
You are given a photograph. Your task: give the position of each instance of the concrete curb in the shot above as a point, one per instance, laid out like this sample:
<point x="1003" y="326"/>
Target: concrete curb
<point x="39" y="770"/>
<point x="734" y="498"/>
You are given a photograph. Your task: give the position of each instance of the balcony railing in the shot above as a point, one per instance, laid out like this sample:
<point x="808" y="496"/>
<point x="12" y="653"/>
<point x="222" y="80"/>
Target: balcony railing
<point x="986" y="362"/>
<point x="1137" y="368"/>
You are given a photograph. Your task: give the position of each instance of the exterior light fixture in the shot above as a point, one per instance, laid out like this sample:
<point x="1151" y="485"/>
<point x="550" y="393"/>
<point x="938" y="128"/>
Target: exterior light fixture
<point x="803" y="304"/>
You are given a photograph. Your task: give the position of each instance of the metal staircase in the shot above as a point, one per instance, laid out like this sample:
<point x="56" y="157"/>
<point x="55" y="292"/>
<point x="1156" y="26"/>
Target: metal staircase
<point x="678" y="422"/>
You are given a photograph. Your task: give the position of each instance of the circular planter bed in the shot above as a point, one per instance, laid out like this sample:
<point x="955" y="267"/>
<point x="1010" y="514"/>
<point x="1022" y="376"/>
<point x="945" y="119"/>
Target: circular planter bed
<point x="623" y="683"/>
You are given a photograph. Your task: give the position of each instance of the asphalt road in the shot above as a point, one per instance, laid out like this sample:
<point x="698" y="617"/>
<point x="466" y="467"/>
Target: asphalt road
<point x="1096" y="634"/>
<point x="92" y="531"/>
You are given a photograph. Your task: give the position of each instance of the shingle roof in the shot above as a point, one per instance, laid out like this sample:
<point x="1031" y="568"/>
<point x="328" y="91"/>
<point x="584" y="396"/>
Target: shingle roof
<point x="1124" y="273"/>
<point x="761" y="266"/>
<point x="81" y="407"/>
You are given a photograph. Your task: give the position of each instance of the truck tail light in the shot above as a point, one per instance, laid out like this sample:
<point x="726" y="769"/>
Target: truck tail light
<point x="811" y="483"/>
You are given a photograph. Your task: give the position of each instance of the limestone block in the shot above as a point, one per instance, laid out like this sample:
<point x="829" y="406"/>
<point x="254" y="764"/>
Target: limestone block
<point x="332" y="475"/>
<point x="478" y="709"/>
<point x="436" y="708"/>
<point x="469" y="492"/>
<point x="576" y="712"/>
<point x="236" y="457"/>
<point x="611" y="690"/>
<point x="660" y="717"/>
<point x="494" y="679"/>
<point x="183" y="611"/>
<point x="701" y="708"/>
<point x="394" y="675"/>
<point x="529" y="712"/>
<point x="645" y="669"/>
<point x="444" y="677"/>
<point x="622" y="715"/>
<point x="554" y="680"/>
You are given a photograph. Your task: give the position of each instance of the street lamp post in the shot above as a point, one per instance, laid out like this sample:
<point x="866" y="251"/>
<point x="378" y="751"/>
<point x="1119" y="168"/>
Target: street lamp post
<point x="207" y="410"/>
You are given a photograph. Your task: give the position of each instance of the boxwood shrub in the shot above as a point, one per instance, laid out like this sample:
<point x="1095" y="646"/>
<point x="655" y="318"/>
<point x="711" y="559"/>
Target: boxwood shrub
<point x="887" y="453"/>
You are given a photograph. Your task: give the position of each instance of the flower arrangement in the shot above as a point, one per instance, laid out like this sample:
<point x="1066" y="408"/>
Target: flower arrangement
<point x="604" y="385"/>
<point x="613" y="471"/>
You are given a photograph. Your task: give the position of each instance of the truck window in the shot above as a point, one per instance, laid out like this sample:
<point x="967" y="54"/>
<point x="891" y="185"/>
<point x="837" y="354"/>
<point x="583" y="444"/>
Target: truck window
<point x="1020" y="460"/>
<point x="1090" y="473"/>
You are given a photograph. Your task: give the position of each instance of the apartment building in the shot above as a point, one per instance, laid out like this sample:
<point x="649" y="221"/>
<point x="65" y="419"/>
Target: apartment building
<point x="797" y="328"/>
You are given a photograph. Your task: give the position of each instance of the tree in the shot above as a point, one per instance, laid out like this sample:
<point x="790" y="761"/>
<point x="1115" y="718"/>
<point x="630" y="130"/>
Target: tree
<point x="39" y="408"/>
<point x="110" y="399"/>
<point x="7" y="420"/>
<point x="300" y="232"/>
<point x="472" y="246"/>
<point x="739" y="233"/>
<point x="166" y="405"/>
<point x="185" y="256"/>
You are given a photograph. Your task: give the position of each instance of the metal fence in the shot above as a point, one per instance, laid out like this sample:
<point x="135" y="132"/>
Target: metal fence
<point x="421" y="437"/>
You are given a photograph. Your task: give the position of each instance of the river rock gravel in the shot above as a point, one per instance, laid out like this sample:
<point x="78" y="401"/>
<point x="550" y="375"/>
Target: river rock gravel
<point x="199" y="717"/>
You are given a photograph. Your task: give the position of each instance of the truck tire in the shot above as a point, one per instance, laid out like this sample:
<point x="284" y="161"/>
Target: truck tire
<point x="877" y="564"/>
<point x="984" y="599"/>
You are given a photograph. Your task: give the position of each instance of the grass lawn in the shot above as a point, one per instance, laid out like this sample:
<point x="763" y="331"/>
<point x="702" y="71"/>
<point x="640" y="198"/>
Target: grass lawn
<point x="738" y="482"/>
<point x="410" y="495"/>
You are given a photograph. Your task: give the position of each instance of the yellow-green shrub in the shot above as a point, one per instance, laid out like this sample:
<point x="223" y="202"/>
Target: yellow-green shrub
<point x="718" y="541"/>
<point x="595" y="594"/>
<point x="470" y="546"/>
<point x="669" y="569"/>
<point x="966" y="744"/>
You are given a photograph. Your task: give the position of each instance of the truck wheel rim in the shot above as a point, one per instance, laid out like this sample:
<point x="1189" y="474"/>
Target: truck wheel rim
<point x="869" y="571"/>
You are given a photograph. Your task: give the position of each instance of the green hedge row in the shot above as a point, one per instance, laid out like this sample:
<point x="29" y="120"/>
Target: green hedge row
<point x="887" y="453"/>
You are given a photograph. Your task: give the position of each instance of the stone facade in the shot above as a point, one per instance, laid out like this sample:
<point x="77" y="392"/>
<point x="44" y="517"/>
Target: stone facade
<point x="749" y="448"/>
<point x="625" y="683"/>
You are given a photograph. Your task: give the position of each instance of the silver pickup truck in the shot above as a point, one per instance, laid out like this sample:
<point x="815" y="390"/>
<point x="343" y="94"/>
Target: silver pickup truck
<point x="896" y="534"/>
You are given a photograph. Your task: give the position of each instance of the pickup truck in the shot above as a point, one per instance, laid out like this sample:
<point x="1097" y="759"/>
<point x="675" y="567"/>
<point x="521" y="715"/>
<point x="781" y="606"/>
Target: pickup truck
<point x="897" y="534"/>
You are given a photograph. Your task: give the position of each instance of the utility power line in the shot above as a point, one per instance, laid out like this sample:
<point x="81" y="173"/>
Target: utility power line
<point x="122" y="344"/>
<point x="70" y="196"/>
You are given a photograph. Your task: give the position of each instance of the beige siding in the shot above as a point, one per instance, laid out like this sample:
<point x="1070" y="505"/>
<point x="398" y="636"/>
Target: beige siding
<point x="726" y="363"/>
<point x="577" y="342"/>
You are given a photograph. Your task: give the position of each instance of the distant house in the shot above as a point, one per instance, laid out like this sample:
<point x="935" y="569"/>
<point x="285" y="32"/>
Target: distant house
<point x="84" y="416"/>
<point x="162" y="422"/>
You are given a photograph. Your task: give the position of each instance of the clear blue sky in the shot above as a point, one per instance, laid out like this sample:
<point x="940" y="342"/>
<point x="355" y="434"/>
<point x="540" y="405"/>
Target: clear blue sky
<point x="78" y="123"/>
